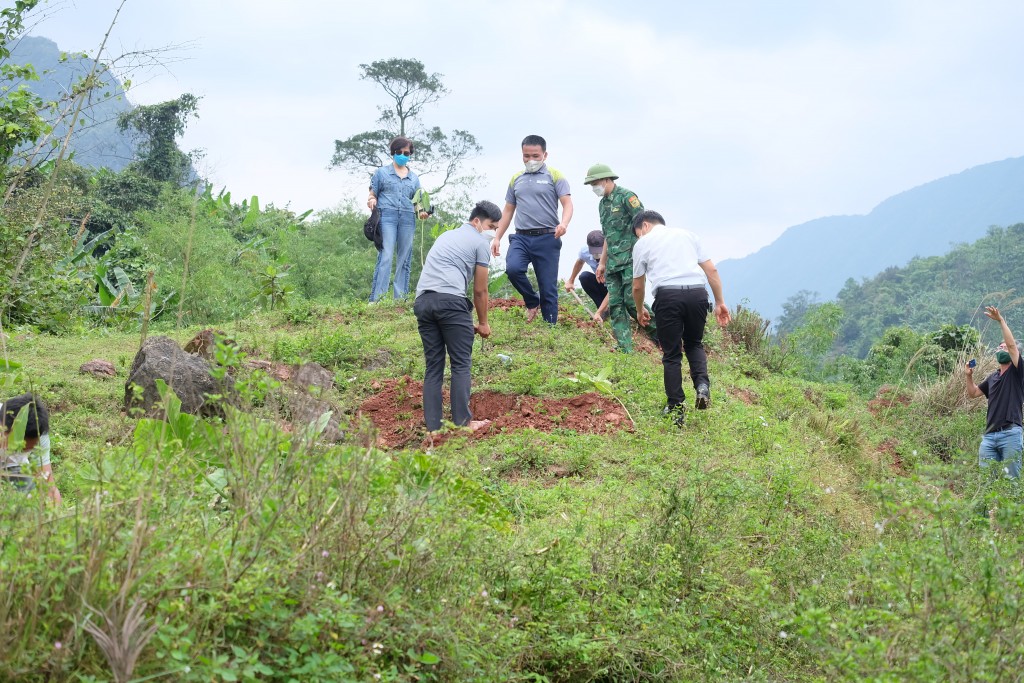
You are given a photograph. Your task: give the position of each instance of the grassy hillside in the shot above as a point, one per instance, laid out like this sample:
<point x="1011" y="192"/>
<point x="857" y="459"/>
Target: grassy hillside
<point x="792" y="532"/>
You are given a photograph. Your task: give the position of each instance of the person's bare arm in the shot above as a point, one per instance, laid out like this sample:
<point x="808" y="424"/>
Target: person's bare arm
<point x="46" y="474"/>
<point x="1011" y="343"/>
<point x="714" y="279"/>
<point x="480" y="282"/>
<point x="570" y="282"/>
<point x="566" y="201"/>
<point x="599" y="316"/>
<point x="972" y="389"/>
<point x="506" y="220"/>
<point x="639" y="292"/>
<point x="602" y="265"/>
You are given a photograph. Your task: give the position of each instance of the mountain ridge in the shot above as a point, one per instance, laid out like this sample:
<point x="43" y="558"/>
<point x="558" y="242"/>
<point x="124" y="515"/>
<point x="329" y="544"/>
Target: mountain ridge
<point x="821" y="255"/>
<point x="97" y="142"/>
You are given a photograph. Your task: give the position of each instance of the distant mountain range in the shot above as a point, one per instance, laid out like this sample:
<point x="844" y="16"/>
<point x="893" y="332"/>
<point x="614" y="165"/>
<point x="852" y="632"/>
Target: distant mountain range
<point x="821" y="255"/>
<point x="96" y="141"/>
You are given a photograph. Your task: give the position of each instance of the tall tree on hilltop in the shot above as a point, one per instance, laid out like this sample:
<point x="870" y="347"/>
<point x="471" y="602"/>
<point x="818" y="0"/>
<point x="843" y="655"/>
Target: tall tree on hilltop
<point x="160" y="125"/>
<point x="410" y="89"/>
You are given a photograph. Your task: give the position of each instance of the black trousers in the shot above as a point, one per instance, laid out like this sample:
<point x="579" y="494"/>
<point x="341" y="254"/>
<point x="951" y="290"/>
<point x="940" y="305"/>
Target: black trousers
<point x="681" y="315"/>
<point x="445" y="322"/>
<point x="594" y="289"/>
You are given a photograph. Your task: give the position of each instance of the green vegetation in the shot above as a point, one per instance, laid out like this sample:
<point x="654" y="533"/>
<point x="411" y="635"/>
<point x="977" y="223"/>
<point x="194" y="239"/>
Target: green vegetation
<point x="788" y="533"/>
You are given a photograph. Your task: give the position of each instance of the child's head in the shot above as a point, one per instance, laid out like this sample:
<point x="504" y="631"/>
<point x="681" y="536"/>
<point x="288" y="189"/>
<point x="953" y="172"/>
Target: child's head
<point x="38" y="418"/>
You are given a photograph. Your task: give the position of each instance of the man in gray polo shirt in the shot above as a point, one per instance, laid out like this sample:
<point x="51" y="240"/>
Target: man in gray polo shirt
<point x="533" y="197"/>
<point x="672" y="260"/>
<point x="444" y="314"/>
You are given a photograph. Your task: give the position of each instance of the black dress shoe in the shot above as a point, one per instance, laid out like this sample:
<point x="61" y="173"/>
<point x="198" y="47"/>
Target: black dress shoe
<point x="677" y="413"/>
<point x="703" y="400"/>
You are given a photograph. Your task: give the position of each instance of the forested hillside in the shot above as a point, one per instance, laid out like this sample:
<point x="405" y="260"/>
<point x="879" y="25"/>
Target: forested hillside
<point x="822" y="254"/>
<point x="950" y="289"/>
<point x="97" y="142"/>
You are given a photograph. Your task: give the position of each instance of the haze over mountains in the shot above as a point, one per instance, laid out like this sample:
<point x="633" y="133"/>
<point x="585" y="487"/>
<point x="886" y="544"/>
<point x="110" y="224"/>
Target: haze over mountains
<point x="822" y="254"/>
<point x="819" y="256"/>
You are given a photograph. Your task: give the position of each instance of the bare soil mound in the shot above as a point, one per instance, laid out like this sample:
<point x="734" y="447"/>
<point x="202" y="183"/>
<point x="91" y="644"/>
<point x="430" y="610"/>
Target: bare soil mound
<point x="396" y="411"/>
<point x="504" y="304"/>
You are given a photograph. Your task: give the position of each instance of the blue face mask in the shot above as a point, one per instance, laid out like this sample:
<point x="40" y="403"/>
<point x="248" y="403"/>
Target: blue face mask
<point x="401" y="159"/>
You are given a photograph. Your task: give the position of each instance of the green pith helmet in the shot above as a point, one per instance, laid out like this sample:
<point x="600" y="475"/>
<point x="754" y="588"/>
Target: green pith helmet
<point x="599" y="172"/>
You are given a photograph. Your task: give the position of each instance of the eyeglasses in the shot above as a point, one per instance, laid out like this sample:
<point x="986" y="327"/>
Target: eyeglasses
<point x="406" y="152"/>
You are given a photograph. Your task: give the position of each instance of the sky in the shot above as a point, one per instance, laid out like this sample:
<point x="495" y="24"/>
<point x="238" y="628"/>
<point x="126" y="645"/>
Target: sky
<point x="735" y="119"/>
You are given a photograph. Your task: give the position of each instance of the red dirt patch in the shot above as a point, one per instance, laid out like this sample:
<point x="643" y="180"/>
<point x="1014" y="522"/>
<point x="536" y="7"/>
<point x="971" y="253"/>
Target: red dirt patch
<point x="396" y="410"/>
<point x="745" y="395"/>
<point x="887" y="452"/>
<point x="504" y="304"/>
<point x="887" y="397"/>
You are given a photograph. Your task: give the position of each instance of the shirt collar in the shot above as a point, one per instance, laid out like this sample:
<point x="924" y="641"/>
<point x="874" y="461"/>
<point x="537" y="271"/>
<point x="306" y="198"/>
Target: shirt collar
<point x="393" y="171"/>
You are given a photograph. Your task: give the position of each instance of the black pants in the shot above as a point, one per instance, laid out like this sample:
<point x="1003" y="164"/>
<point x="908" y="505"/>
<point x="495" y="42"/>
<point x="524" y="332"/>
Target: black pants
<point x="681" y="315"/>
<point x="594" y="289"/>
<point x="446" y="327"/>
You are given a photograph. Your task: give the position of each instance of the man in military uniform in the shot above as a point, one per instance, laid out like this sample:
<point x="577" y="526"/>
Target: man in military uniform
<point x="617" y="208"/>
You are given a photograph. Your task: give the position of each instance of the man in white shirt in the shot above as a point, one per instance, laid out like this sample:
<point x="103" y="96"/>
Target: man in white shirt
<point x="673" y="261"/>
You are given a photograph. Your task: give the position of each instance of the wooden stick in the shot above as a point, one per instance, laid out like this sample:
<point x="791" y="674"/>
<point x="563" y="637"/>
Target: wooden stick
<point x="591" y="315"/>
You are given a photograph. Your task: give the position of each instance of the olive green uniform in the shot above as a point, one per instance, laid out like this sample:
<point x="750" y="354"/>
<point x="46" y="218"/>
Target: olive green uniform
<point x="617" y="210"/>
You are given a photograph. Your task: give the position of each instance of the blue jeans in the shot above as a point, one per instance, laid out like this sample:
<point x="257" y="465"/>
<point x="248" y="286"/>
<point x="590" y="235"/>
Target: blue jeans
<point x="1003" y="447"/>
<point x="398" y="228"/>
<point x="542" y="251"/>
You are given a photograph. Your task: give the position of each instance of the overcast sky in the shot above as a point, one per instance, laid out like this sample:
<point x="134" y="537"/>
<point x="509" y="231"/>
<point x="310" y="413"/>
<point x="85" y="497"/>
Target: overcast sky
<point x="735" y="119"/>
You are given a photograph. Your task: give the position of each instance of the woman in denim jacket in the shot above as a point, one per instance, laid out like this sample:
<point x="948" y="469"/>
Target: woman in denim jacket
<point x="391" y="190"/>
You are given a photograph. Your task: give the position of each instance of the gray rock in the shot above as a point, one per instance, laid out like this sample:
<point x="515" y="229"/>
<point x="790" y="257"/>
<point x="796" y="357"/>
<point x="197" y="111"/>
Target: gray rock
<point x="313" y="375"/>
<point x="307" y="409"/>
<point x="188" y="375"/>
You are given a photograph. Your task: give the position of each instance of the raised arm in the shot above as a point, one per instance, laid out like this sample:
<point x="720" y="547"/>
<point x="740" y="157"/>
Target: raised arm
<point x="1011" y="343"/>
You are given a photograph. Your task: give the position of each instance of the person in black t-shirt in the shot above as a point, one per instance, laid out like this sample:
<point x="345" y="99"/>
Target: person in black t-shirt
<point x="1002" y="441"/>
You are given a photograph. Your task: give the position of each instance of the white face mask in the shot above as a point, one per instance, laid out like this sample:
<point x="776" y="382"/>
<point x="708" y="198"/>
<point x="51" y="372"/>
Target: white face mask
<point x="598" y="189"/>
<point x="533" y="166"/>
